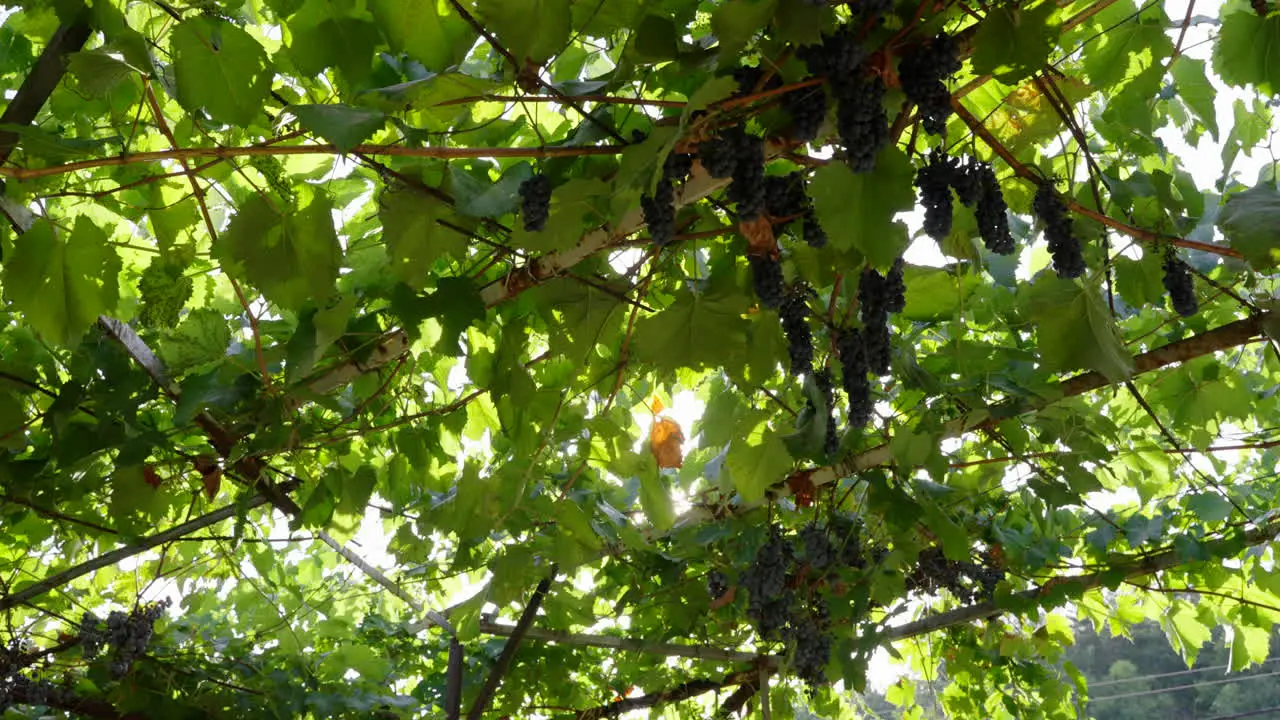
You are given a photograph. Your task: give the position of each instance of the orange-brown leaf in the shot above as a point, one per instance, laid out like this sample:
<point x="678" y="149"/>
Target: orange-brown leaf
<point x="212" y="483"/>
<point x="666" y="442"/>
<point x="759" y="235"/>
<point x="724" y="599"/>
<point x="150" y="477"/>
<point x="655" y="404"/>
<point x="802" y="488"/>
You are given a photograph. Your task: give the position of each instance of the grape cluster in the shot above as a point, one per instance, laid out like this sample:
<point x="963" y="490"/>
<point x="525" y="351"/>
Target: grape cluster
<point x="794" y="313"/>
<point x="822" y="379"/>
<point x="738" y="155"/>
<point x="846" y="533"/>
<point x="967" y="581"/>
<point x="659" y="209"/>
<point x="837" y="57"/>
<point x="747" y="190"/>
<point x="924" y="73"/>
<point x="535" y="202"/>
<point x="807" y="107"/>
<point x="874" y="300"/>
<point x="17" y="687"/>
<point x="852" y="350"/>
<point x="810" y="636"/>
<point x="785" y="197"/>
<point x="766" y="582"/>
<point x="861" y="122"/>
<point x="817" y="547"/>
<point x="1064" y="246"/>
<point x="766" y="276"/>
<point x="1178" y="282"/>
<point x="934" y="182"/>
<point x="813" y="234"/>
<point x="127" y="635"/>
<point x="717" y="584"/>
<point x="163" y="290"/>
<point x="976" y="185"/>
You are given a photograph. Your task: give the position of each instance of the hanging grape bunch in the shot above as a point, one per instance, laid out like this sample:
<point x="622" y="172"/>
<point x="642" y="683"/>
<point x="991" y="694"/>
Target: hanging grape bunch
<point x="924" y="72"/>
<point x="1064" y="246"/>
<point x="861" y="121"/>
<point x="125" y="635"/>
<point x="659" y="209"/>
<point x="766" y="277"/>
<point x="976" y="186"/>
<point x="1179" y="284"/>
<point x="934" y="182"/>
<point x="535" y="202"/>
<point x="794" y="314"/>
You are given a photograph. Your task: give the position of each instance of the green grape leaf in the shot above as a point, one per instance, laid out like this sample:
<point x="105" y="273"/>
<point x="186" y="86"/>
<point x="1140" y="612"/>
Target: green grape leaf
<point x="221" y="69"/>
<point x="344" y="126"/>
<point x="292" y="258"/>
<point x="62" y="285"/>
<point x="857" y="209"/>
<point x="1074" y="330"/>
<point x="414" y="238"/>
<point x="1247" y="50"/>
<point x="427" y="31"/>
<point x="1196" y="91"/>
<point x="757" y="462"/>
<point x="533" y="30"/>
<point x="98" y="72"/>
<point x="1250" y="220"/>
<point x="697" y="330"/>
<point x="1209" y="507"/>
<point x="500" y="198"/>
<point x="201" y="338"/>
<point x="655" y="499"/>
<point x="346" y="43"/>
<point x="737" y="21"/>
<point x="1013" y="42"/>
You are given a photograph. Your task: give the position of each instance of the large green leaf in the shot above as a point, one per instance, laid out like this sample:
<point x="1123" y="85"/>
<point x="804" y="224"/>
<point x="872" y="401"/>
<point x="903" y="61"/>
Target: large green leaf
<point x="857" y="209"/>
<point x="61" y="282"/>
<point x="428" y="31"/>
<point x="292" y="258"/>
<point x="221" y="69"/>
<point x="1074" y="331"/>
<point x="414" y="237"/>
<point x="1247" y="51"/>
<point x="697" y="330"/>
<point x="341" y="125"/>
<point x="1251" y="222"/>
<point x="1013" y="42"/>
<point x="757" y="462"/>
<point x="533" y="30"/>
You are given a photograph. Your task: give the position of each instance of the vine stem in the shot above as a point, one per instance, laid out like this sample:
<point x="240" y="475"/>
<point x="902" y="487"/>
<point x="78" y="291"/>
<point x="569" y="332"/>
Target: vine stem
<point x="603" y="99"/>
<point x="224" y="153"/>
<point x="500" y="667"/>
<point x="684" y="691"/>
<point x="610" y="642"/>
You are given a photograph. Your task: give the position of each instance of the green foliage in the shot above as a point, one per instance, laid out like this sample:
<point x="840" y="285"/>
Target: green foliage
<point x="268" y="289"/>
